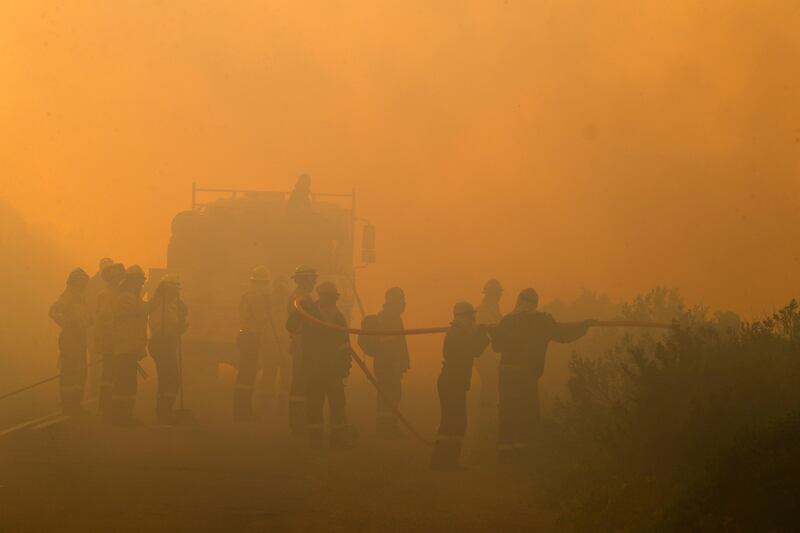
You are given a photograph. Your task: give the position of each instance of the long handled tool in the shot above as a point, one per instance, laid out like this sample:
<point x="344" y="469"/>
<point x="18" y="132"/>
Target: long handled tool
<point x="180" y="374"/>
<point x="183" y="416"/>
<point x="42" y="382"/>
<point x="403" y="420"/>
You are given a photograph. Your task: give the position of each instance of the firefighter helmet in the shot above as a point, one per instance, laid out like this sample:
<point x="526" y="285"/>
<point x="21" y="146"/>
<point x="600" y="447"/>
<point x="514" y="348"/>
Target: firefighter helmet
<point x="492" y="286"/>
<point x="463" y="308"/>
<point x="327" y="287"/>
<point x="77" y="277"/>
<point x="113" y="273"/>
<point x="304" y="271"/>
<point x="135" y="272"/>
<point x="171" y="279"/>
<point x="260" y="274"/>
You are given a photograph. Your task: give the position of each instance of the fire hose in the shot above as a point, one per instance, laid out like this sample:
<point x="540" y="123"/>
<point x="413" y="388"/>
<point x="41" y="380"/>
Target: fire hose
<point x="139" y="370"/>
<point x="427" y="331"/>
<point x="445" y="329"/>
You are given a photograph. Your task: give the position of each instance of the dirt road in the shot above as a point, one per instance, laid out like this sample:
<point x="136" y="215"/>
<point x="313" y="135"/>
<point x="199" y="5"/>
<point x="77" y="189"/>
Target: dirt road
<point x="82" y="475"/>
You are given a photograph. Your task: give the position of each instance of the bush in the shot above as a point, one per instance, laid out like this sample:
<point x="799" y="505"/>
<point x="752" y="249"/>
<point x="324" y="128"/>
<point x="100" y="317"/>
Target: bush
<point x="641" y="420"/>
<point x="754" y="485"/>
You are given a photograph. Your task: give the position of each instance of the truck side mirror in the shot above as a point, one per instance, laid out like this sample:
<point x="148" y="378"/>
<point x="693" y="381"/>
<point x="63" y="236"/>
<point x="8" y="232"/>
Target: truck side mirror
<point x="368" y="245"/>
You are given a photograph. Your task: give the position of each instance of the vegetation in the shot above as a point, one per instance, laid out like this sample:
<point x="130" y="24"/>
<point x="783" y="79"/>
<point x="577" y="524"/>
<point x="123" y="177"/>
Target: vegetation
<point x="696" y="429"/>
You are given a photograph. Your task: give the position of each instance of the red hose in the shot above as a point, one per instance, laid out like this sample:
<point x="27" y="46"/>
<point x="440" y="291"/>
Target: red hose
<point x="630" y="324"/>
<point x="356" y="331"/>
<point x="364" y="368"/>
<point x="423" y="331"/>
<point x="444" y="329"/>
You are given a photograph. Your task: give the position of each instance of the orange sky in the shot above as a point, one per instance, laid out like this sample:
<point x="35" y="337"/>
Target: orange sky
<point x="613" y="145"/>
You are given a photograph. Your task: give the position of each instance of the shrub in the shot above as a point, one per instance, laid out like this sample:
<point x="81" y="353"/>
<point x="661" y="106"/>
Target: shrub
<point x="641" y="420"/>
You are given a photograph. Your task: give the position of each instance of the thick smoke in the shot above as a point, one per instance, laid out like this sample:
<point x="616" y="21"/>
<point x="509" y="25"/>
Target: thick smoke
<point x="561" y="145"/>
<point x="33" y="273"/>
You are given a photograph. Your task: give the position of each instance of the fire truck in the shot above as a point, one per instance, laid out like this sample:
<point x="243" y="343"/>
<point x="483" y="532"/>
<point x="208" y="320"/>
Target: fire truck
<point x="215" y="245"/>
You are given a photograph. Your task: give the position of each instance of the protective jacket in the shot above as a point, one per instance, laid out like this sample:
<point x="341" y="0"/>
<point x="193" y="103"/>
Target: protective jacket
<point x="167" y="317"/>
<point x="489" y="315"/>
<point x="104" y="321"/>
<point x="298" y="293"/>
<point x="522" y="338"/>
<point x="390" y="353"/>
<point x="461" y="346"/>
<point x="70" y="311"/>
<point x="130" y="325"/>
<point x="326" y="351"/>
<point x="254" y="311"/>
<point x="95" y="287"/>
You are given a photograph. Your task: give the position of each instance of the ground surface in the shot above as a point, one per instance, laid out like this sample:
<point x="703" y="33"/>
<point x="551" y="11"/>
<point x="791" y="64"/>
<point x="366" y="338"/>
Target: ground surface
<point x="81" y="475"/>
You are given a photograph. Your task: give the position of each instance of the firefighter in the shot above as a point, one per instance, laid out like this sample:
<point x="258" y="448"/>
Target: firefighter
<point x="276" y="367"/>
<point x="488" y="313"/>
<point x="390" y="360"/>
<point x="72" y="316"/>
<point x="521" y="338"/>
<point x="254" y="317"/>
<point x="104" y="334"/>
<point x="96" y="286"/>
<point x="168" y="321"/>
<point x="326" y="355"/>
<point x="464" y="342"/>
<point x="300" y="197"/>
<point x="305" y="279"/>
<point x="130" y="344"/>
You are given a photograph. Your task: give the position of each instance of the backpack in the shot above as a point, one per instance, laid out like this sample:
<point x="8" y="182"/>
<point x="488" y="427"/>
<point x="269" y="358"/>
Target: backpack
<point x="369" y="343"/>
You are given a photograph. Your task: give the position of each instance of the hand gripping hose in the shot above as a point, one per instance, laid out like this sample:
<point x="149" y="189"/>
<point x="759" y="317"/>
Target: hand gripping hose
<point x="629" y="324"/>
<point x="445" y="329"/>
<point x="372" y="332"/>
<point x="426" y="331"/>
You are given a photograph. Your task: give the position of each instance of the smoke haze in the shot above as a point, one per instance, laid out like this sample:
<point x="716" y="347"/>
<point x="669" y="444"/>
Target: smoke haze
<point x="573" y="144"/>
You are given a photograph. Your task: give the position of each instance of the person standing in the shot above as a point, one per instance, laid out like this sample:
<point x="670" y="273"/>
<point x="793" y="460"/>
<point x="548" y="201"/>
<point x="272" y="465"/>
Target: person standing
<point x="390" y="361"/>
<point x="276" y="369"/>
<point x="305" y="278"/>
<point x="326" y="353"/>
<point x="254" y="317"/>
<point x="95" y="288"/>
<point x="130" y="344"/>
<point x="464" y="342"/>
<point x="488" y="313"/>
<point x="72" y="315"/>
<point x="168" y="321"/>
<point x="522" y="338"/>
<point x="104" y="333"/>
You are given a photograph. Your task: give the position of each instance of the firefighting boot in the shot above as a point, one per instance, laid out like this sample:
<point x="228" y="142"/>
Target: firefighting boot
<point x="447" y="458"/>
<point x="297" y="416"/>
<point x="314" y="433"/>
<point x="340" y="437"/>
<point x="387" y="427"/>
<point x="438" y="456"/>
<point x="455" y="456"/>
<point x="242" y="403"/>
